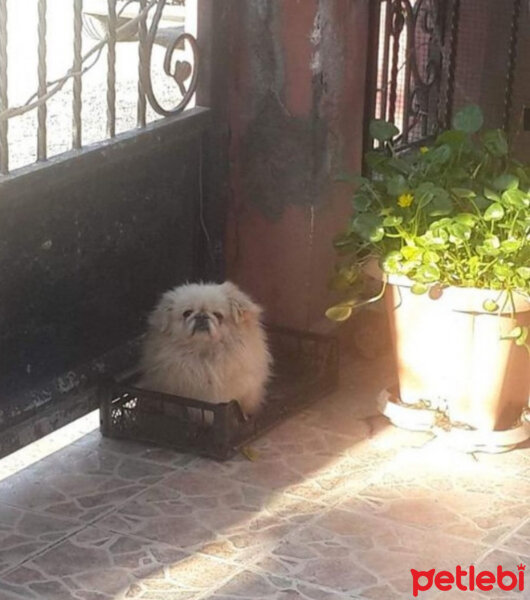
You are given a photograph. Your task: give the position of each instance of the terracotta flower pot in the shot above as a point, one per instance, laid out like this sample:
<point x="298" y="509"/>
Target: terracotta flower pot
<point x="449" y="351"/>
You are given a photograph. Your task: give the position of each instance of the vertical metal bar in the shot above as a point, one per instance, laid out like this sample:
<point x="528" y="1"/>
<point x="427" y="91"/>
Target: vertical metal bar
<point x="77" y="138"/>
<point x="4" y="143"/>
<point x="372" y="68"/>
<point x="409" y="29"/>
<point x="451" y="66"/>
<point x="111" y="69"/>
<point x="396" y="33"/>
<point x="42" y="109"/>
<point x="142" y="66"/>
<point x="512" y="57"/>
<point x="386" y="54"/>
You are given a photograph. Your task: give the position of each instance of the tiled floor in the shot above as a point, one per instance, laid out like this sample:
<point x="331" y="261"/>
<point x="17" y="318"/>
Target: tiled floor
<point x="338" y="504"/>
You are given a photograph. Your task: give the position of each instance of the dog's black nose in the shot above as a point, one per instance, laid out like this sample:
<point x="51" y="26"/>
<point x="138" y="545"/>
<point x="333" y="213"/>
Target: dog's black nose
<point x="201" y="322"/>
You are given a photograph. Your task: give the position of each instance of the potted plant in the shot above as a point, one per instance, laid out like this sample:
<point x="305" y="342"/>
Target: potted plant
<point x="446" y="229"/>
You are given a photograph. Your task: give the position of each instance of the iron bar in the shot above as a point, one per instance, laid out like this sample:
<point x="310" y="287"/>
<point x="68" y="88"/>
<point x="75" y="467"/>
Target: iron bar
<point x="512" y="57"/>
<point x="43" y="86"/>
<point x="451" y="64"/>
<point x="111" y="69"/>
<point x="4" y="142"/>
<point x="372" y="73"/>
<point x="77" y="137"/>
<point x="143" y="64"/>
<point x="397" y="28"/>
<point x="386" y="55"/>
<point x="409" y="26"/>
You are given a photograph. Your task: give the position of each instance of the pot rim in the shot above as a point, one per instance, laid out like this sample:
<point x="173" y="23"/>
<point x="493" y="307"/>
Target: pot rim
<point x="462" y="299"/>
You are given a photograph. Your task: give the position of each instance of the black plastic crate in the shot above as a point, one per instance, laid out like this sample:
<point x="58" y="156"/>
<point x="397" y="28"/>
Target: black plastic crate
<point x="305" y="368"/>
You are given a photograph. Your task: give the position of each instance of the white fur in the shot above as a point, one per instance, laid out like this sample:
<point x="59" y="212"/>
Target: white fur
<point x="231" y="361"/>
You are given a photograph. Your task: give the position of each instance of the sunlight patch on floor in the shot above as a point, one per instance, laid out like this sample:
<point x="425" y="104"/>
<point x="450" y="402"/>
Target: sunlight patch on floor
<point x="49" y="444"/>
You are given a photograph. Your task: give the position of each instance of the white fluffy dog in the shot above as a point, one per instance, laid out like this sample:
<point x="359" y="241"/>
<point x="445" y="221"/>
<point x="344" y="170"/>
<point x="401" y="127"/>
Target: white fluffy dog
<point x="206" y="341"/>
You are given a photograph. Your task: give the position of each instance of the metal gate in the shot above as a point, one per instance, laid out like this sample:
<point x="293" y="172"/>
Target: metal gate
<point x="91" y="237"/>
<point x="416" y="48"/>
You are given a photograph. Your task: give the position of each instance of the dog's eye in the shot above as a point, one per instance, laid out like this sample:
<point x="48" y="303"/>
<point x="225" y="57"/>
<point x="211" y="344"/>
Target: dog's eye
<point x="186" y="313"/>
<point x="218" y="316"/>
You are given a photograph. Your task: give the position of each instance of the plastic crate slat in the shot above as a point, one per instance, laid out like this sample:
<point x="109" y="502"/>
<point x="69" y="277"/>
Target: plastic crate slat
<point x="309" y="364"/>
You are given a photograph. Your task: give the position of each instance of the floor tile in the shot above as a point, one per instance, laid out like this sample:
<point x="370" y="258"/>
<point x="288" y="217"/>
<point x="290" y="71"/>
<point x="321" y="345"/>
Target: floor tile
<point x="99" y="564"/>
<point x="358" y="554"/>
<point x="23" y="533"/>
<point x="212" y="515"/>
<point x="79" y="482"/>
<point x="431" y="491"/>
<point x="249" y="585"/>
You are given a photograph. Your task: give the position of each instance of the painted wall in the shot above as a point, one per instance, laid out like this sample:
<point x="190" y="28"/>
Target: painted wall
<point x="295" y="101"/>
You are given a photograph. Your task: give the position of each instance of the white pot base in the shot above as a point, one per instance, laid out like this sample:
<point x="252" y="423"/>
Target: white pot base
<point x="455" y="435"/>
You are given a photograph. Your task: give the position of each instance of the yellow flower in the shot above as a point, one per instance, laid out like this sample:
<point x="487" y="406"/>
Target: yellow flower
<point x="424" y="149"/>
<point x="405" y="200"/>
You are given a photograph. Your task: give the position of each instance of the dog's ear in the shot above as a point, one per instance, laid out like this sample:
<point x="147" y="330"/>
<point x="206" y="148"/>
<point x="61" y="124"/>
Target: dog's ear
<point x="242" y="307"/>
<point x="160" y="318"/>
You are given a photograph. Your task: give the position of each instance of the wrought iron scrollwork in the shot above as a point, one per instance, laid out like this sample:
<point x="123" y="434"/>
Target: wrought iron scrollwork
<point x="175" y="39"/>
<point x="414" y="65"/>
<point x="181" y="71"/>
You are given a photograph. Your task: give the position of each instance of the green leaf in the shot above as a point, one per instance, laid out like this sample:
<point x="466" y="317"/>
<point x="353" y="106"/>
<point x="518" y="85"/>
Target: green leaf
<point x="516" y="198"/>
<point x="495" y="142"/>
<point x="439" y="224"/>
<point x="382" y="130"/>
<point x="519" y="334"/>
<point x="361" y="201"/>
<point x="506" y="182"/>
<point x="468" y="119"/>
<point x="400" y="165"/>
<point x="460" y="232"/>
<point x="452" y="137"/>
<point x="522" y="337"/>
<point x="344" y="278"/>
<point x="392" y="221"/>
<point x="491" y="245"/>
<point x="369" y="227"/>
<point x="514" y="333"/>
<point x="491" y="195"/>
<point x="439" y="155"/>
<point x="419" y="288"/>
<point x="339" y="312"/>
<point x="466" y="219"/>
<point x="440" y="206"/>
<point x="376" y="160"/>
<point x="412" y="253"/>
<point x="396" y="185"/>
<point x="495" y="212"/>
<point x="434" y="240"/>
<point x="392" y="262"/>
<point x="481" y="202"/>
<point x="428" y="274"/>
<point x="511" y="245"/>
<point x="430" y="257"/>
<point x="424" y="193"/>
<point x="524" y="272"/>
<point x="490" y="306"/>
<point x="463" y="193"/>
<point x="503" y="272"/>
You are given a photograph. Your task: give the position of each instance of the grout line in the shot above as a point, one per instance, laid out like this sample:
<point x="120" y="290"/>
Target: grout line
<point x="82" y="525"/>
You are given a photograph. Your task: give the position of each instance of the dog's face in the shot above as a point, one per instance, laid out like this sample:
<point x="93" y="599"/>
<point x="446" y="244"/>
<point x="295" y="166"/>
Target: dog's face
<point x="204" y="313"/>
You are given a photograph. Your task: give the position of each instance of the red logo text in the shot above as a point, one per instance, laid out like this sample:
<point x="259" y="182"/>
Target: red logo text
<point x="468" y="580"/>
